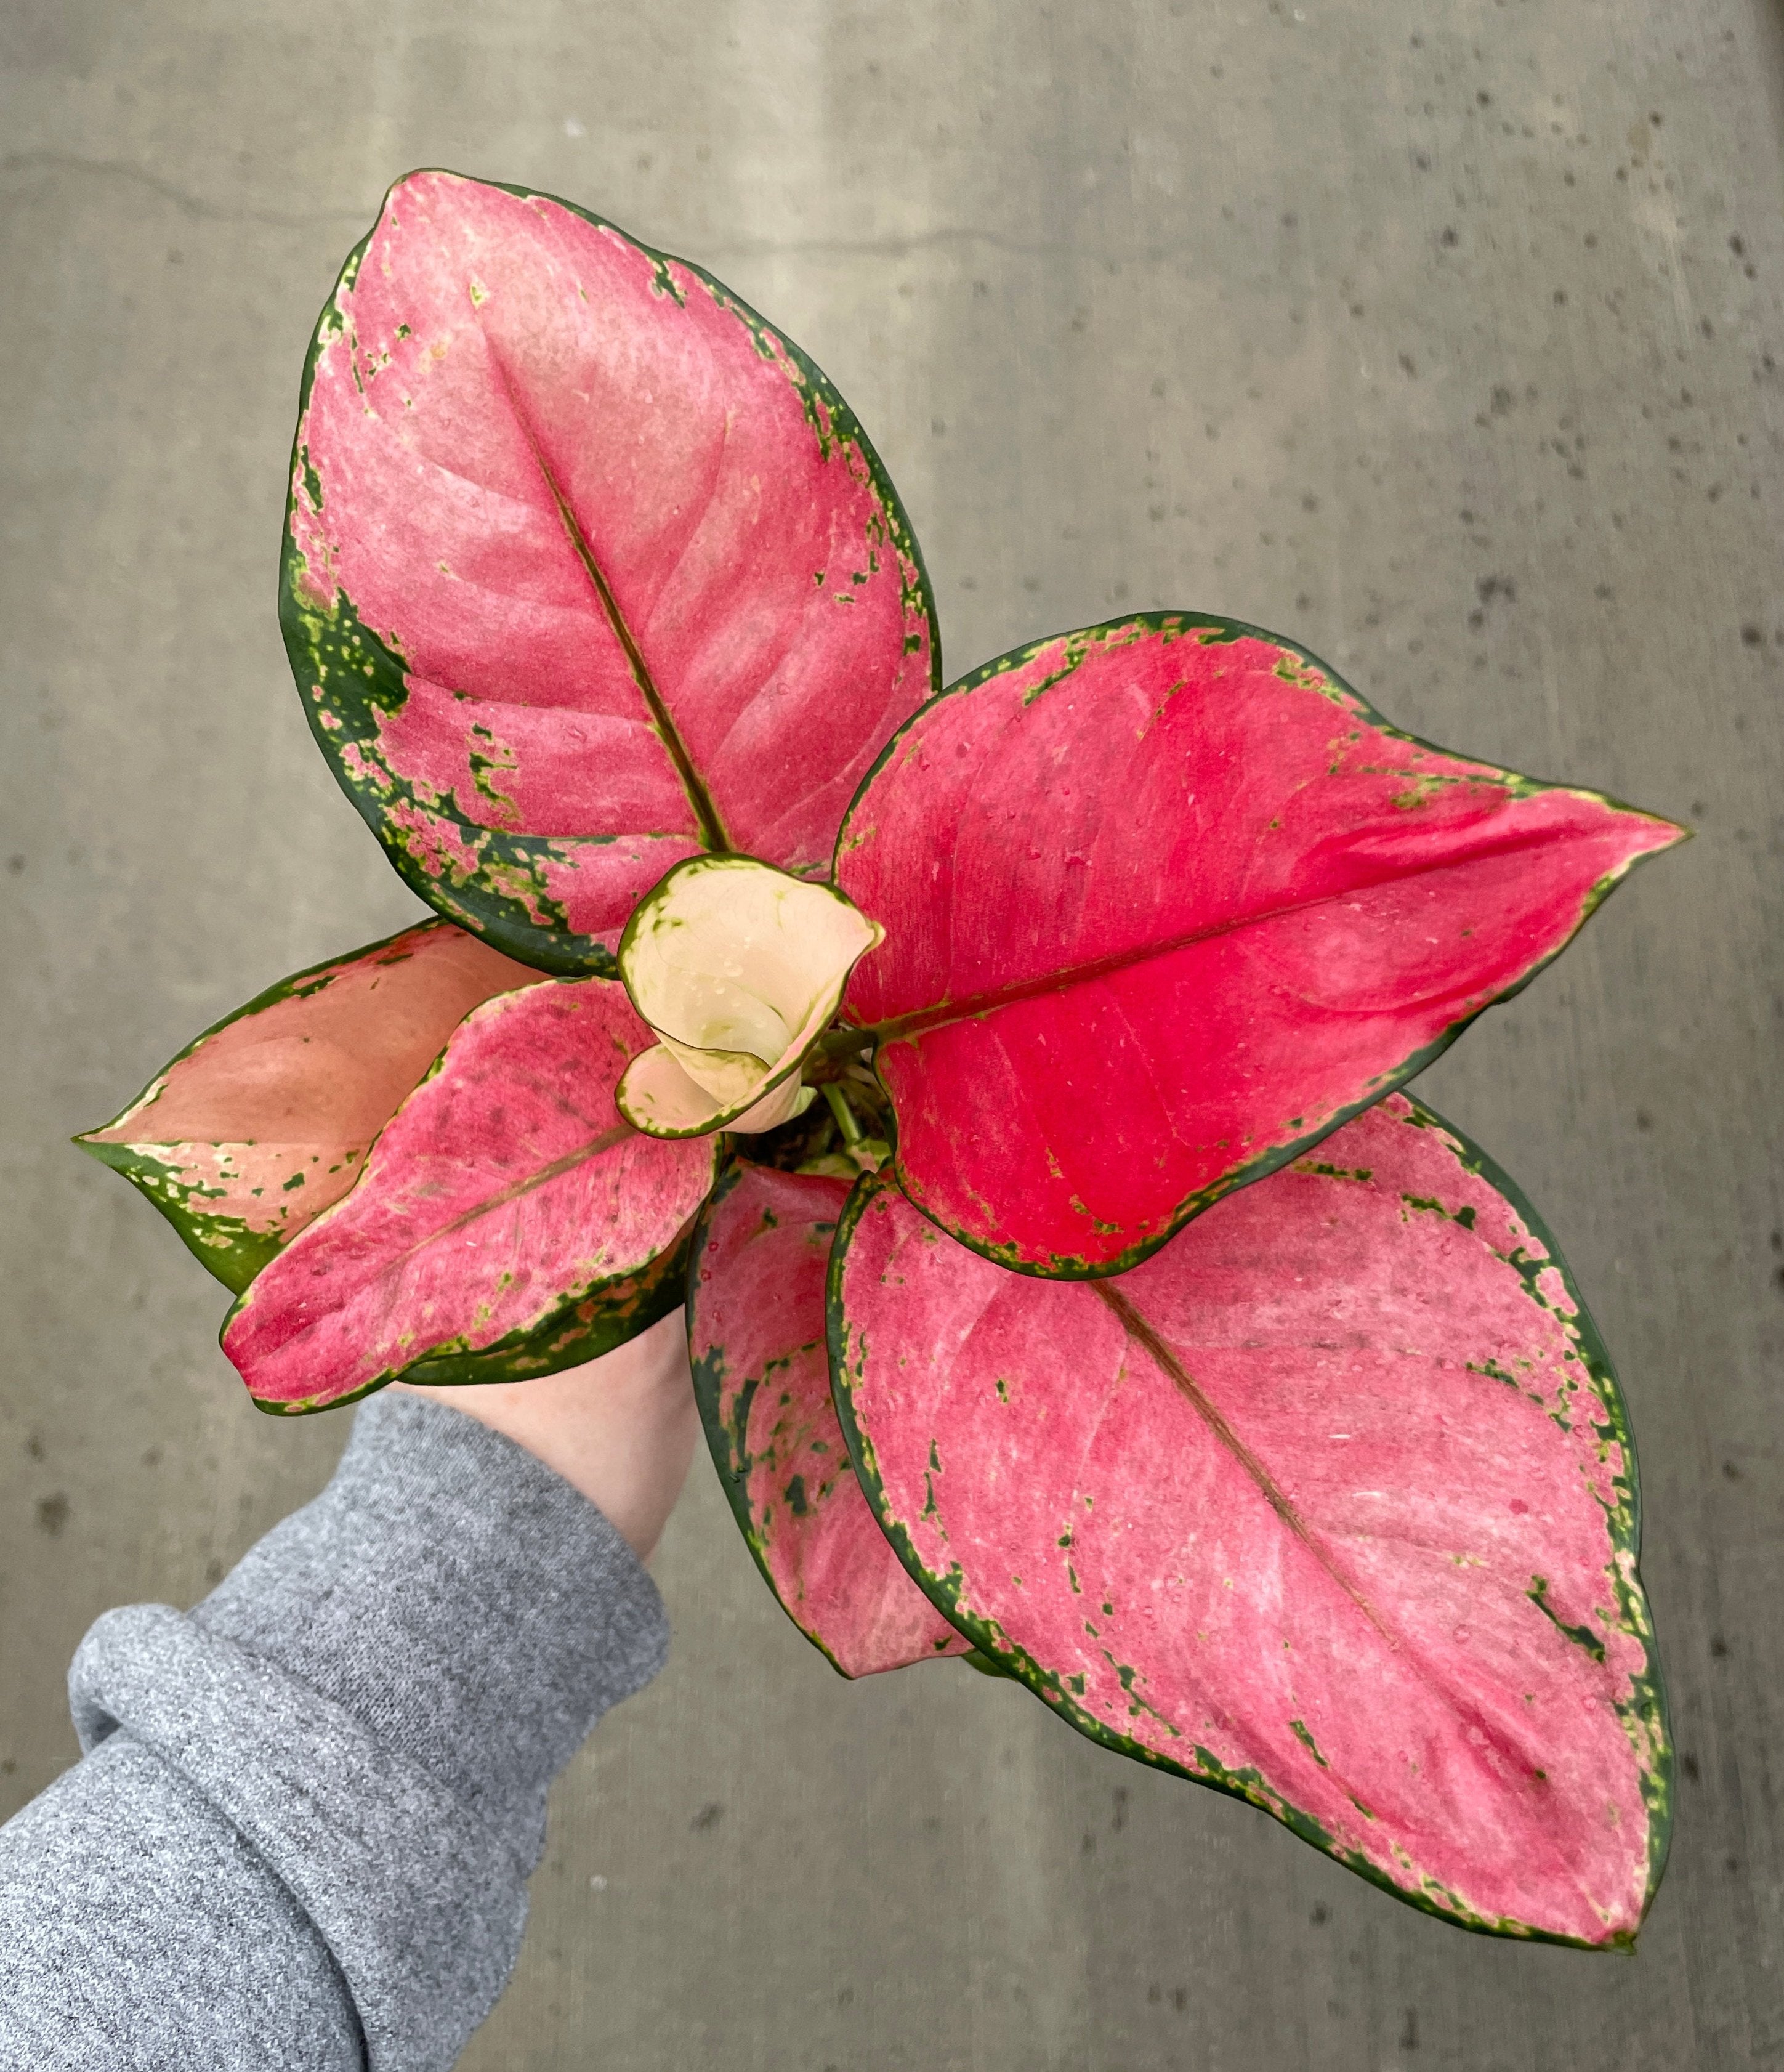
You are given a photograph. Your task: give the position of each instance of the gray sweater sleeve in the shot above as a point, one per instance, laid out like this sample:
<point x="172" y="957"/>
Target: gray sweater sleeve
<point x="300" y="1836"/>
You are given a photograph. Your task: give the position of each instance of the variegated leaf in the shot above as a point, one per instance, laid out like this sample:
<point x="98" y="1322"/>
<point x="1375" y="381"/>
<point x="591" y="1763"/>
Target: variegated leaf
<point x="587" y="569"/>
<point x="1331" y="1504"/>
<point x="263" y="1121"/>
<point x="508" y="1221"/>
<point x="1166" y="901"/>
<point x="756" y="1338"/>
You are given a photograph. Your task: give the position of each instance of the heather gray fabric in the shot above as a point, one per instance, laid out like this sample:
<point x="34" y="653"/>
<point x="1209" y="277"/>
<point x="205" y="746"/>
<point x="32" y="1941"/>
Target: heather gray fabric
<point x="300" y="1838"/>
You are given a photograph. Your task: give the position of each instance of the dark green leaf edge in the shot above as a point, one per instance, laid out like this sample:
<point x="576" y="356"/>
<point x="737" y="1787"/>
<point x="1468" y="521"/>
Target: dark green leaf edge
<point x="1645" y="1715"/>
<point x="1179" y="624"/>
<point x="223" y="1245"/>
<point x="496" y="885"/>
<point x="728" y="1442"/>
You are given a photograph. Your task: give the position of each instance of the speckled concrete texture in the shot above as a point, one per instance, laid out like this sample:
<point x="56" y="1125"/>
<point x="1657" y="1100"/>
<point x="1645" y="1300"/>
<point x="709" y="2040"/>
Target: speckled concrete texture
<point x="1444" y="336"/>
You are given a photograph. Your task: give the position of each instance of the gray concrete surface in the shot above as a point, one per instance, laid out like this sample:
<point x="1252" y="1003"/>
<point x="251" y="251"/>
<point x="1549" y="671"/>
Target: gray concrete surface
<point x="1440" y="333"/>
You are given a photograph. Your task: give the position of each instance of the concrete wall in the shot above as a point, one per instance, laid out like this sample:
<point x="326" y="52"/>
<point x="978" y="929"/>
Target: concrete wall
<point x="1441" y="335"/>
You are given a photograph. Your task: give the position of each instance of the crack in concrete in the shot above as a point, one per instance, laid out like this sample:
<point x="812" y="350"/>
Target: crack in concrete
<point x="188" y="204"/>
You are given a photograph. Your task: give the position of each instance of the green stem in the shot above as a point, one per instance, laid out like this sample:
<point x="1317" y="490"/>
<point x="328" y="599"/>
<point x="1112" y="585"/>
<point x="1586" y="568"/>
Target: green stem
<point x="844" y="1042"/>
<point x="844" y="1114"/>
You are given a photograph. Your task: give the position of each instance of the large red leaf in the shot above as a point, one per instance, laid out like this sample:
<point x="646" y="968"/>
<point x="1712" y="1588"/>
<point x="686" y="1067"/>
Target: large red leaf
<point x="756" y="1337"/>
<point x="255" y="1128"/>
<point x="586" y="569"/>
<point x="1332" y="1504"/>
<point x="506" y="1210"/>
<point x="1164" y="900"/>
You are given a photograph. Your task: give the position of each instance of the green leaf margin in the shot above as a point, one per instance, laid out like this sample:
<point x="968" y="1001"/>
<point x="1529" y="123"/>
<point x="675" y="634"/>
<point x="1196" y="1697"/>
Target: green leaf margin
<point x="726" y="1441"/>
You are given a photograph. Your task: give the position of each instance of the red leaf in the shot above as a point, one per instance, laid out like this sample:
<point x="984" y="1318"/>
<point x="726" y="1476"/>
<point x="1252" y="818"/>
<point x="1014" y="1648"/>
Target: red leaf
<point x="504" y="1202"/>
<point x="254" y="1129"/>
<point x="587" y="569"/>
<point x="756" y="1334"/>
<point x="1332" y="1505"/>
<point x="1164" y="902"/>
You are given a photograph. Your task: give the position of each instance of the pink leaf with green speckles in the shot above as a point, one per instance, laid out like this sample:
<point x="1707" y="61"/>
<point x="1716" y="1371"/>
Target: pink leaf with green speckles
<point x="254" y="1129"/>
<point x="756" y="1337"/>
<point x="507" y="1222"/>
<point x="1166" y="901"/>
<point x="587" y="569"/>
<point x="1331" y="1504"/>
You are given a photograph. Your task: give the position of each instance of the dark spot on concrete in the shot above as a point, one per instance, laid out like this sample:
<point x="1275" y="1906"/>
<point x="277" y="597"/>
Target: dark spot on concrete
<point x="1406" y="366"/>
<point x="52" y="1514"/>
<point x="1778" y="1235"/>
<point x="1120" y="1820"/>
<point x="1448" y="236"/>
<point x="34" y="1445"/>
<point x="1730" y="1472"/>
<point x="1655" y="120"/>
<point x="1719" y="1647"/>
<point x="1752" y="637"/>
<point x="1737" y="247"/>
<point x="707" y="1817"/>
<point x="15" y="864"/>
<point x="1180" y="1998"/>
<point x="1320" y="1914"/>
<point x="1643" y="1120"/>
<point x="1489" y="587"/>
<point x="1088" y="1847"/>
<point x="1501" y="400"/>
<point x="1409" y="2030"/>
<point x="1688" y="1765"/>
<point x="1482" y="98"/>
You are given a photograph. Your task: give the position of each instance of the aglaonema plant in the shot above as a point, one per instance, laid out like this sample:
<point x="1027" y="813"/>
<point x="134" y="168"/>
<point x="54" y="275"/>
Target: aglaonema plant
<point x="1005" y="1076"/>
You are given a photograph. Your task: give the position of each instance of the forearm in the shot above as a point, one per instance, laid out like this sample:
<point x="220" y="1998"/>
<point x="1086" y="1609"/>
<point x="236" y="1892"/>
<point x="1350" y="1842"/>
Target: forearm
<point x="312" y="1804"/>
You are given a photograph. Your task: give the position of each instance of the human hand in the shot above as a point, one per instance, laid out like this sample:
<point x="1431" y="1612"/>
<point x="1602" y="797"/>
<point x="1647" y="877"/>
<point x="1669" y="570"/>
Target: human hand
<point x="620" y="1428"/>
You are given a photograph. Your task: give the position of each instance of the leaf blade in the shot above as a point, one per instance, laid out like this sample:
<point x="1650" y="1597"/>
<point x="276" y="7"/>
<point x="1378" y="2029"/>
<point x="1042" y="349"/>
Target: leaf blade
<point x="762" y="1375"/>
<point x="1249" y="909"/>
<point x="505" y="1198"/>
<point x="266" y="1119"/>
<point x="1402" y="1612"/>
<point x="586" y="569"/>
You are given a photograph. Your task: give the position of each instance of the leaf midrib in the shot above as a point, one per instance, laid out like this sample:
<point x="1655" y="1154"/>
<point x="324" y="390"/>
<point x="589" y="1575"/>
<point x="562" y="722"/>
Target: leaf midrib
<point x="1142" y="1332"/>
<point x="921" y="1021"/>
<point x="712" y="828"/>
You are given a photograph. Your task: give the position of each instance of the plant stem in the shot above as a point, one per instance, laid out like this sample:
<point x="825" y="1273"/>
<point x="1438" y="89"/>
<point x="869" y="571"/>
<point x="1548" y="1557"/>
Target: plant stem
<point x="844" y="1114"/>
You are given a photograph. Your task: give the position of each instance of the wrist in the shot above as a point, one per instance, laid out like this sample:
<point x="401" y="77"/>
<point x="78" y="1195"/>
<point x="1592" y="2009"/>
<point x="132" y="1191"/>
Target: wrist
<point x="622" y="1429"/>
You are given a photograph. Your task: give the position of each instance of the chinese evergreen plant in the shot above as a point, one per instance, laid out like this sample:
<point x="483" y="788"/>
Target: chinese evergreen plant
<point x="1006" y="1076"/>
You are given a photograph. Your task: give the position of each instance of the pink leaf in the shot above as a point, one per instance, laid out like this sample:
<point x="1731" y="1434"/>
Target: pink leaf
<point x="587" y="569"/>
<point x="1331" y="1504"/>
<point x="1164" y="902"/>
<point x="505" y="1206"/>
<point x="756" y="1334"/>
<point x="254" y="1129"/>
